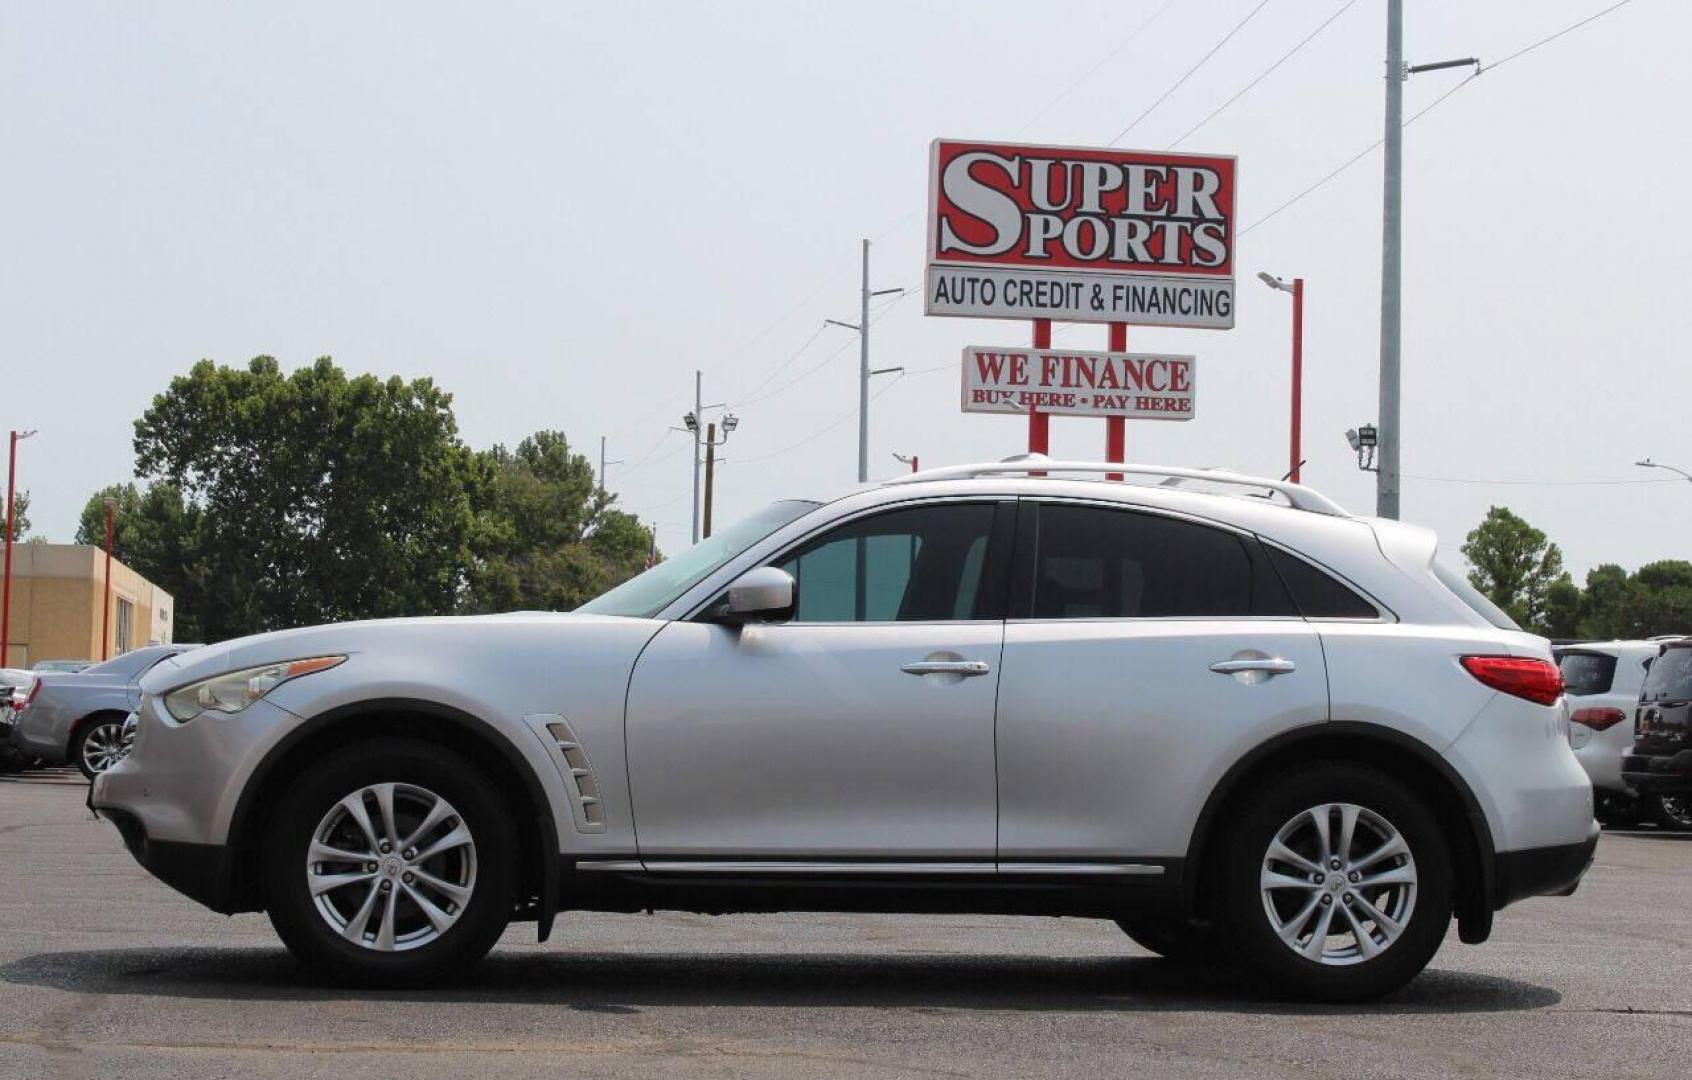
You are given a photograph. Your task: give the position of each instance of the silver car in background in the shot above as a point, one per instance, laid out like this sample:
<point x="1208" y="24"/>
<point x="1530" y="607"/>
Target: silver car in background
<point x="77" y="717"/>
<point x="1602" y="680"/>
<point x="1248" y="727"/>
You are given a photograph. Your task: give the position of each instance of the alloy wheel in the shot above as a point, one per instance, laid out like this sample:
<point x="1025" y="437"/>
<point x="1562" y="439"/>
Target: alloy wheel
<point x="391" y="867"/>
<point x="1338" y="884"/>
<point x="1676" y="810"/>
<point x="104" y="746"/>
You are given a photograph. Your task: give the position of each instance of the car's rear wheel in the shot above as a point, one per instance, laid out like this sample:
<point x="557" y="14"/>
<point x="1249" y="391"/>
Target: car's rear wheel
<point x="1337" y="885"/>
<point x="99" y="745"/>
<point x="392" y="864"/>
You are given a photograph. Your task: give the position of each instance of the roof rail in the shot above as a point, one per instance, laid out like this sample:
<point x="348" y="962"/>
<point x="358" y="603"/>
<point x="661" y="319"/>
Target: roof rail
<point x="1299" y="496"/>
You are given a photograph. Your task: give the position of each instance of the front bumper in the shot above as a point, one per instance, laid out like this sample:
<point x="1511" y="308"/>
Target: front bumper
<point x="201" y="872"/>
<point x="1659" y="774"/>
<point x="1543" y="871"/>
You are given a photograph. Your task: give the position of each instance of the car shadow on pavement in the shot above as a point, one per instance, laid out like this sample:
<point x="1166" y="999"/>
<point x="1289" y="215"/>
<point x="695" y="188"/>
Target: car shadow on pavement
<point x="625" y="983"/>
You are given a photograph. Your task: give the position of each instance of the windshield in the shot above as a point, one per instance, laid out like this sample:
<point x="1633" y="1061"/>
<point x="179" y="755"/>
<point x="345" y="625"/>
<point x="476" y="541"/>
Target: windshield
<point x="1670" y="678"/>
<point x="1587" y="673"/>
<point x="645" y="596"/>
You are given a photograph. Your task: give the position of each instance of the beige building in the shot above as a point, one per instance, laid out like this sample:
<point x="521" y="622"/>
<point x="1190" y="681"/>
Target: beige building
<point x="56" y="605"/>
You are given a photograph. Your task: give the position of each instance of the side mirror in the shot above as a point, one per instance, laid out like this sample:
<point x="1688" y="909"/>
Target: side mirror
<point x="764" y="592"/>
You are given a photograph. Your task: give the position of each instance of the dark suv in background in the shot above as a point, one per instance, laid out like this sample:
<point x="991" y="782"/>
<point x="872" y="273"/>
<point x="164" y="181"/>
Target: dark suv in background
<point x="1660" y="762"/>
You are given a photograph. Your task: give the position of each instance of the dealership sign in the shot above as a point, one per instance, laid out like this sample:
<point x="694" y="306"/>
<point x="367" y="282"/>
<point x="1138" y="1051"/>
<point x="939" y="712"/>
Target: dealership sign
<point x="1064" y="382"/>
<point x="1038" y="232"/>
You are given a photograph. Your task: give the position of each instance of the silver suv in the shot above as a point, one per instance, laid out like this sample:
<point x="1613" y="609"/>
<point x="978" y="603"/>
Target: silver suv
<point x="1216" y="709"/>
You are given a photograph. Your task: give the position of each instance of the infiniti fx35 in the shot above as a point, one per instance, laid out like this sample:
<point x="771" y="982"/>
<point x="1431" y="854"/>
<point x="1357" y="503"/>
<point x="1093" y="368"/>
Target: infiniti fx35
<point x="1245" y="726"/>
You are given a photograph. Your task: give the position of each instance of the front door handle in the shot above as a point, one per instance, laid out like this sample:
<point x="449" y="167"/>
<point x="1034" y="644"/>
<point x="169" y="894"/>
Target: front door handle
<point x="966" y="668"/>
<point x="1269" y="665"/>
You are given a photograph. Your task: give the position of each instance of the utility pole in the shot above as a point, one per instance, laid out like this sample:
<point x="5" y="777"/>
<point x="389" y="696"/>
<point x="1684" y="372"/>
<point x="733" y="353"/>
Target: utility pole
<point x="1392" y="229"/>
<point x="603" y="463"/>
<point x="864" y="370"/>
<point x="710" y="473"/>
<point x="730" y="422"/>
<point x="11" y="519"/>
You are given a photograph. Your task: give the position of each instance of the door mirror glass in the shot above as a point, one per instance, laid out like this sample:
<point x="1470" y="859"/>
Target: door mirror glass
<point x="765" y="592"/>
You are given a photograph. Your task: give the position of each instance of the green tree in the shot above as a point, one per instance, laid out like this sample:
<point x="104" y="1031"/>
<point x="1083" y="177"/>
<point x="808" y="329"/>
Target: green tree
<point x="1520" y="570"/>
<point x="20" y="517"/>
<point x="308" y="497"/>
<point x="547" y="535"/>
<point x="157" y="534"/>
<point x="1606" y="607"/>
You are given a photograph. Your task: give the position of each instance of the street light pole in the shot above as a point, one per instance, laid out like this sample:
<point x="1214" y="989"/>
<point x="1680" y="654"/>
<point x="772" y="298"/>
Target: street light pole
<point x="1297" y="411"/>
<point x="1392" y="200"/>
<point x="11" y="524"/>
<point x="1647" y="463"/>
<point x="106" y="607"/>
<point x="693" y="421"/>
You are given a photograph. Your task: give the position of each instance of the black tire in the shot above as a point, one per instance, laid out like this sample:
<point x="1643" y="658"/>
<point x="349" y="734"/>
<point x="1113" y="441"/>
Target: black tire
<point x="294" y="912"/>
<point x="1181" y="940"/>
<point x="1672" y="811"/>
<point x="110" y="724"/>
<point x="1276" y="803"/>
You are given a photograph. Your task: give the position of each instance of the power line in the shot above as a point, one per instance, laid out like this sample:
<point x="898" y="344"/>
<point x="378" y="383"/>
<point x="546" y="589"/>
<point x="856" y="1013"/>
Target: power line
<point x="1270" y="70"/>
<point x="1178" y="82"/>
<point x="820" y="432"/>
<point x="1565" y="30"/>
<point x="1429" y="107"/>
<point x="820" y="364"/>
<point x="1537" y="483"/>
<point x="797" y="353"/>
<point x="1133" y="35"/>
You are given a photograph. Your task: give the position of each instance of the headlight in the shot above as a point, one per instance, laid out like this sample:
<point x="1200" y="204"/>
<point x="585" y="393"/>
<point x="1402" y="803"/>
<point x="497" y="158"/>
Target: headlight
<point x="235" y="691"/>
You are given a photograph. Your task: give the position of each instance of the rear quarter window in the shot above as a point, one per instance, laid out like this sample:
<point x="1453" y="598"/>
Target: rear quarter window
<point x="1318" y="594"/>
<point x="1472" y="597"/>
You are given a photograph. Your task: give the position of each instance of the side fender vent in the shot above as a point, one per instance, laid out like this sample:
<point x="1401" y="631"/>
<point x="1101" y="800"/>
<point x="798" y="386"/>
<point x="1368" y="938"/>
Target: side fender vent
<point x="571" y="758"/>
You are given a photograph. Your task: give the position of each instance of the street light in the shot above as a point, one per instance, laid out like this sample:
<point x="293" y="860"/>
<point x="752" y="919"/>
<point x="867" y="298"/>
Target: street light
<point x="1647" y="463"/>
<point x="11" y="511"/>
<point x="1297" y="289"/>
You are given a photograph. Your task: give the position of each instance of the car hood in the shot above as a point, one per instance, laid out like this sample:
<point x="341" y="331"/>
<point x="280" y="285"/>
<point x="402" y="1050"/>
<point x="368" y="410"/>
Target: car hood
<point x="456" y="632"/>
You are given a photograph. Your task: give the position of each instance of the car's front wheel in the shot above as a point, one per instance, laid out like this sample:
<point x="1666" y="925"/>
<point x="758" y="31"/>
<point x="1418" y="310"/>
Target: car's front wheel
<point x="1337" y="885"/>
<point x="391" y="864"/>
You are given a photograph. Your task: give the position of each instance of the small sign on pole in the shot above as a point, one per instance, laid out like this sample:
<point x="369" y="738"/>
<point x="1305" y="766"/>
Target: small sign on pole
<point x="1068" y="382"/>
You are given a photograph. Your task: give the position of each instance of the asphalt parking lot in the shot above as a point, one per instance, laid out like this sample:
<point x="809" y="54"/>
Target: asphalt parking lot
<point x="106" y="973"/>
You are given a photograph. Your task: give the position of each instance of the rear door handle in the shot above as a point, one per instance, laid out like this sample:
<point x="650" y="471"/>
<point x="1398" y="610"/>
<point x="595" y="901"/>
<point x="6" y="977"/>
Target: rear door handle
<point x="1272" y="665"/>
<point x="965" y="668"/>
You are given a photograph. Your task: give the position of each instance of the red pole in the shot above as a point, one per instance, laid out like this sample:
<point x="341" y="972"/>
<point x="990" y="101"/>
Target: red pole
<point x="1297" y="375"/>
<point x="1039" y="423"/>
<point x="913" y="463"/>
<point x="6" y="590"/>
<point x="1116" y="427"/>
<point x="106" y="608"/>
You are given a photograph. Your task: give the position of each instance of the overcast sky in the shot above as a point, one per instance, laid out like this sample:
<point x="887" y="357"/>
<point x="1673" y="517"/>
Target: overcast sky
<point x="559" y="211"/>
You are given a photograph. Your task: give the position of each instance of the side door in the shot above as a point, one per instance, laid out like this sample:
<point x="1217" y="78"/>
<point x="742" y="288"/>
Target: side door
<point x="861" y="729"/>
<point x="1143" y="654"/>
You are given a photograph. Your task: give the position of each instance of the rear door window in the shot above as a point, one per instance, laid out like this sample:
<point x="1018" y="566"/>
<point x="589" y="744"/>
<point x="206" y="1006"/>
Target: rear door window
<point x="1095" y="562"/>
<point x="1670" y="678"/>
<point x="1587" y="673"/>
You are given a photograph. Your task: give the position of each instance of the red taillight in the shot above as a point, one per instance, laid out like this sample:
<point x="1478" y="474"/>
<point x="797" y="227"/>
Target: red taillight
<point x="1598" y="719"/>
<point x="1537" y="681"/>
<point x="34" y="691"/>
